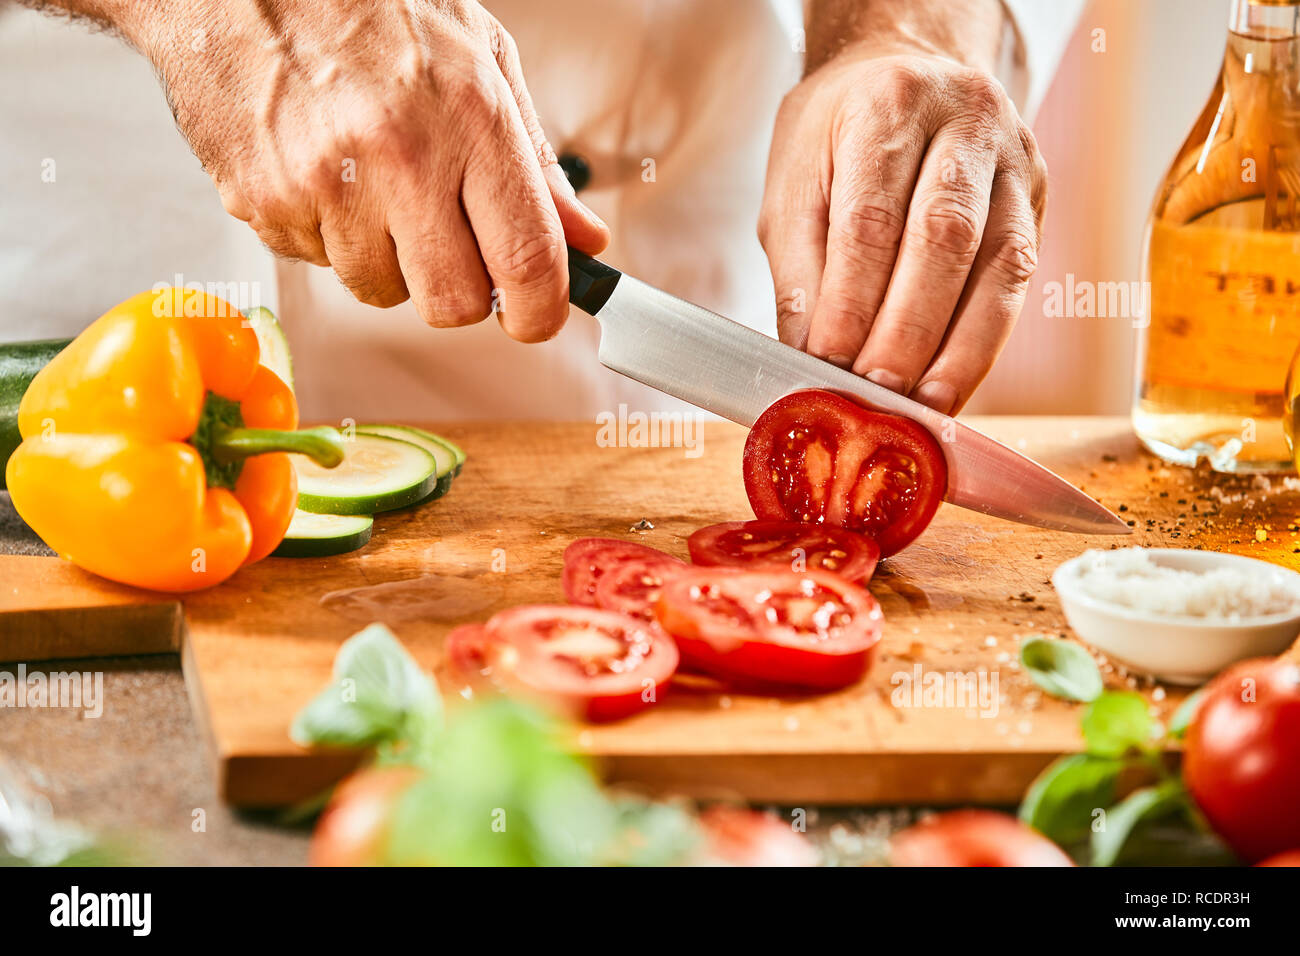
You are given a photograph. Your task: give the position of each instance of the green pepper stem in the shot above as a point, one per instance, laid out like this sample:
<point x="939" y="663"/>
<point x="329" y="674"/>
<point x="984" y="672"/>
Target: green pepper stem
<point x="323" y="445"/>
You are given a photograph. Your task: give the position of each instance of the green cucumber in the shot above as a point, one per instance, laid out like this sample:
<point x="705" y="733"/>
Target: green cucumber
<point x="19" y="364"/>
<point x="272" y="343"/>
<point x="318" y="536"/>
<point x="440" y="450"/>
<point x="377" y="474"/>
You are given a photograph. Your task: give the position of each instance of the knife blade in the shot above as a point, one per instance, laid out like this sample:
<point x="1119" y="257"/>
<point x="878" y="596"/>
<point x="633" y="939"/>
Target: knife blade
<point x="734" y="371"/>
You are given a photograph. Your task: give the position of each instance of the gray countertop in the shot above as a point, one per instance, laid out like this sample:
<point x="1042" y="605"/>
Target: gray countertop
<point x="139" y="772"/>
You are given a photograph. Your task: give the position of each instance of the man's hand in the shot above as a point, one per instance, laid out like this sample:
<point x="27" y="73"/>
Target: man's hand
<point x="904" y="199"/>
<point x="393" y="141"/>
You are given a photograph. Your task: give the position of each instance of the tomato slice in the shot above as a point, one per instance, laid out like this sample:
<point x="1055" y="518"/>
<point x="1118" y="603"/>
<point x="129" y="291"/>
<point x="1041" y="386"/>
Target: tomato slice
<point x="632" y="587"/>
<point x="595" y="664"/>
<point x="586" y="559"/>
<point x="811" y="630"/>
<point x="785" y="544"/>
<point x="464" y="651"/>
<point x="818" y="458"/>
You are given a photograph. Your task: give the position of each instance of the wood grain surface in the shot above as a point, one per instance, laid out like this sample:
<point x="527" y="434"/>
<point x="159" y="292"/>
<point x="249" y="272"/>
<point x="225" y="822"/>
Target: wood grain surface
<point x="957" y="602"/>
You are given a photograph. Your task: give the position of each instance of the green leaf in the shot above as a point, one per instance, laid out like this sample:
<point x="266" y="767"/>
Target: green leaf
<point x="1118" y="722"/>
<point x="1123" y="820"/>
<point x="379" y="695"/>
<point x="503" y="790"/>
<point x="1182" y="718"/>
<point x="1063" y="800"/>
<point x="1061" y="668"/>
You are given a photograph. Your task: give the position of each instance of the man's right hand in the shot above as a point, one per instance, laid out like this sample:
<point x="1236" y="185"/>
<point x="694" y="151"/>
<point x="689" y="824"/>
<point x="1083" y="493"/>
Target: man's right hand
<point x="395" y="142"/>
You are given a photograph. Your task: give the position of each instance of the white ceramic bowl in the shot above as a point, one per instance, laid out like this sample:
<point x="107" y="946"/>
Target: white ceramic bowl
<point x="1177" y="650"/>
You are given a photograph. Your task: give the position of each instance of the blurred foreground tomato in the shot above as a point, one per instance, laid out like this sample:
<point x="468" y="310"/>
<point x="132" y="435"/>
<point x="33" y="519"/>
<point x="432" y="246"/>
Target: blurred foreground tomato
<point x="351" y="831"/>
<point x="1289" y="858"/>
<point x="974" y="838"/>
<point x="1242" y="757"/>
<point x="738" y="837"/>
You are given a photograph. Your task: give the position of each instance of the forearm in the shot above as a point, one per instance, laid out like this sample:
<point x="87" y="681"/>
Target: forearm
<point x="128" y="18"/>
<point x="968" y="31"/>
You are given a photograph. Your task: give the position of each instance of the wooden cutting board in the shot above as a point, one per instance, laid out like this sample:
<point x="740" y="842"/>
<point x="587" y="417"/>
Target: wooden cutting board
<point x="959" y="601"/>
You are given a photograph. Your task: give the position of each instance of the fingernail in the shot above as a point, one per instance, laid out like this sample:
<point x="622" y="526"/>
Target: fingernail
<point x="840" y="359"/>
<point x="940" y="396"/>
<point x="890" y="380"/>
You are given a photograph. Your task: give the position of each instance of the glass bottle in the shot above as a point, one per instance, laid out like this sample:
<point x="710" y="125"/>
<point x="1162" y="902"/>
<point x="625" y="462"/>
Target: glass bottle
<point x="1222" y="261"/>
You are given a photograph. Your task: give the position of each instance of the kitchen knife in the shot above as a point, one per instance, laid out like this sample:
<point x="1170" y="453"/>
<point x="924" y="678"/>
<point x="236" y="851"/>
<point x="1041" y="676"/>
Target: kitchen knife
<point x="737" y="372"/>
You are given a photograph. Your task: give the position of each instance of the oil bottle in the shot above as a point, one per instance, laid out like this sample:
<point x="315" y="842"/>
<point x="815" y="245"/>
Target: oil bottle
<point x="1222" y="259"/>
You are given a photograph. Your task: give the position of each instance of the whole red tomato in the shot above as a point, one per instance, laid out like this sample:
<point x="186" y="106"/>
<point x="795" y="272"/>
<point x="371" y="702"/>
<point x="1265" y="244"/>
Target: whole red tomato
<point x="1242" y="758"/>
<point x="351" y="831"/>
<point x="974" y="838"/>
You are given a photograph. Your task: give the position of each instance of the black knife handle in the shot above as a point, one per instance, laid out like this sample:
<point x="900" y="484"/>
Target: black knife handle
<point x="591" y="282"/>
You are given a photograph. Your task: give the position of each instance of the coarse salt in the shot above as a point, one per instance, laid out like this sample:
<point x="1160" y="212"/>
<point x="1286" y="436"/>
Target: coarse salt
<point x="1128" y="577"/>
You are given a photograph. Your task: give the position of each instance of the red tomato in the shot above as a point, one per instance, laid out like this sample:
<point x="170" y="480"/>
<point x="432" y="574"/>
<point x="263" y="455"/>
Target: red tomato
<point x="596" y="664"/>
<point x="738" y="837"/>
<point x="464" y="650"/>
<point x="974" y="838"/>
<point x="818" y="458"/>
<point x="352" y="829"/>
<point x="586" y="559"/>
<point x="632" y="587"/>
<point x="1241" y="759"/>
<point x="812" y="630"/>
<point x="784" y="544"/>
<point x="1289" y="858"/>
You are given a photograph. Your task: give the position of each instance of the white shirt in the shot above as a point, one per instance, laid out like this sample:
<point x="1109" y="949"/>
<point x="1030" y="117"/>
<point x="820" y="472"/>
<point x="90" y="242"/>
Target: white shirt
<point x="672" y="102"/>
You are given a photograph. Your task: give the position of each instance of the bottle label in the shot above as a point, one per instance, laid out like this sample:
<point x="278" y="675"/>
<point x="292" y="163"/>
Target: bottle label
<point x="1225" y="308"/>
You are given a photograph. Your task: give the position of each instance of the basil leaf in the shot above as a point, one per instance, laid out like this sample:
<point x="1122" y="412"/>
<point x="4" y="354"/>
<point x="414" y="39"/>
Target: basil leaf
<point x="1182" y="718"/>
<point x="501" y="791"/>
<point x="1062" y="668"/>
<point x="379" y="695"/>
<point x="1123" y="820"/>
<point x="1118" y="722"/>
<point x="1063" y="800"/>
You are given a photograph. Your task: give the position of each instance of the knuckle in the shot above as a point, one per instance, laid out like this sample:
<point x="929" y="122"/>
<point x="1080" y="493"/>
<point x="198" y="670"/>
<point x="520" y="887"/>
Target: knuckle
<point x="981" y="93"/>
<point x="869" y="230"/>
<point x="381" y="291"/>
<point x="950" y="228"/>
<point x="452" y="310"/>
<point x="1014" y="257"/>
<point x="905" y="82"/>
<point x="529" y="260"/>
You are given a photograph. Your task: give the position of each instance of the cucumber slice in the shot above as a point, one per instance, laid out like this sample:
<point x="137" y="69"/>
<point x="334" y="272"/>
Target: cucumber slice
<point x="377" y="474"/>
<point x="435" y="446"/>
<point x="318" y="536"/>
<point x="272" y="342"/>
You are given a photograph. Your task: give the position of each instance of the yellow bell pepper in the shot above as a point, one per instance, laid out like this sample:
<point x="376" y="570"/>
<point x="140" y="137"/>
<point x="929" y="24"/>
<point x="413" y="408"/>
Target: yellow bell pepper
<point x="137" y="461"/>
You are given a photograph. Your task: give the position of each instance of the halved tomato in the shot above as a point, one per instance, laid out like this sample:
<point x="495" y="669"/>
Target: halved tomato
<point x="586" y="559"/>
<point x="786" y="544"/>
<point x="594" y="664"/>
<point x="632" y="587"/>
<point x="808" y="630"/>
<point x="817" y="458"/>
